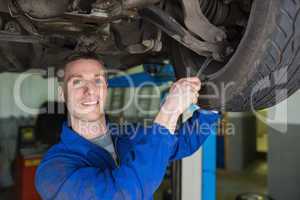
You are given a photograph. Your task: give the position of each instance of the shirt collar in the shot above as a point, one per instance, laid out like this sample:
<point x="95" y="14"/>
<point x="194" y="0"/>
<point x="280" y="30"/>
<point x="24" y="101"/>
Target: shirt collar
<point x="76" y="142"/>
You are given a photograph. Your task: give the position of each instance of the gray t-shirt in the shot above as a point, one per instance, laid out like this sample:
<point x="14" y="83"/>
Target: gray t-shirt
<point x="105" y="142"/>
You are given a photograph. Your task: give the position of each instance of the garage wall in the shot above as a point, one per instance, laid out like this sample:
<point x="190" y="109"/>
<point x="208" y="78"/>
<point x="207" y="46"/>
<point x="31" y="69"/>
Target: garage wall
<point x="286" y="112"/>
<point x="284" y="150"/>
<point x="284" y="164"/>
<point x="22" y="94"/>
<point x="19" y="93"/>
<point x="241" y="145"/>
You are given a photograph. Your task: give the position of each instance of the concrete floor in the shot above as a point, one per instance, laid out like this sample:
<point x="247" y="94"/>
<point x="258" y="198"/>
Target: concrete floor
<point x="253" y="179"/>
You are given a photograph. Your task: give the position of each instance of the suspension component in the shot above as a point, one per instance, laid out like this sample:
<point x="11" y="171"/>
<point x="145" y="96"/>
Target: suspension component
<point x="128" y="4"/>
<point x="106" y="8"/>
<point x="6" y="36"/>
<point x="12" y="27"/>
<point x="42" y="9"/>
<point x="215" y="11"/>
<point x="193" y="15"/>
<point x="175" y="30"/>
<point x="225" y="12"/>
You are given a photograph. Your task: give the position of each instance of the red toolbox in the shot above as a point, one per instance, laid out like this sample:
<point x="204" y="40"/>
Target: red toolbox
<point x="25" y="174"/>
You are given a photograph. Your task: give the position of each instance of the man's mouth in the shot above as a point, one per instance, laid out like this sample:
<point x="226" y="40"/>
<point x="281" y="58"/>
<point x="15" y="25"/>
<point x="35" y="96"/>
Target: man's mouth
<point x="90" y="103"/>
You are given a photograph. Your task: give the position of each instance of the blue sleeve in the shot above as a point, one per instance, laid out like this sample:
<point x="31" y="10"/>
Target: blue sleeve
<point x="193" y="133"/>
<point x="63" y="176"/>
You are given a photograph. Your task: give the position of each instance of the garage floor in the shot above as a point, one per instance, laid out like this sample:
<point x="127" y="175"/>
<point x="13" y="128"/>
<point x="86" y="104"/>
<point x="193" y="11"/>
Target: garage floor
<point x="7" y="194"/>
<point x="253" y="179"/>
<point x="230" y="184"/>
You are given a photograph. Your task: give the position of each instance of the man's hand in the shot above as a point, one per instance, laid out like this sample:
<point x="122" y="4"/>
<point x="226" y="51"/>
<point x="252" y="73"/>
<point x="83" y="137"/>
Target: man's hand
<point x="183" y="93"/>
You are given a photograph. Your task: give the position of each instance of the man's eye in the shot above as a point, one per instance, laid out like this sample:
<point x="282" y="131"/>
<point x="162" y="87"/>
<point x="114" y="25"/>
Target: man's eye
<point x="98" y="81"/>
<point x="77" y="82"/>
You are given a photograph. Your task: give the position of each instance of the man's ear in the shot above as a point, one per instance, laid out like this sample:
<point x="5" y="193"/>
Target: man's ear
<point x="61" y="95"/>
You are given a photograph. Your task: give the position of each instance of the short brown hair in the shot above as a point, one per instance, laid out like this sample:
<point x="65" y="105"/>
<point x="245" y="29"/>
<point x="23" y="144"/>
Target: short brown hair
<point x="73" y="57"/>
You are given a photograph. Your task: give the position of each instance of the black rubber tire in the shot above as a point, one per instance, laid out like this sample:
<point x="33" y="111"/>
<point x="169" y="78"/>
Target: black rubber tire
<point x="264" y="70"/>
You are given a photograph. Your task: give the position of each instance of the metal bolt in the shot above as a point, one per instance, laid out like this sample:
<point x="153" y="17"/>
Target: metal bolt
<point x="13" y="27"/>
<point x="105" y="37"/>
<point x="229" y="50"/>
<point x="147" y="43"/>
<point x="219" y="38"/>
<point x="217" y="57"/>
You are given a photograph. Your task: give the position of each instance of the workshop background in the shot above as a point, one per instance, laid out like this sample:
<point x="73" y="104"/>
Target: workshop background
<point x="254" y="155"/>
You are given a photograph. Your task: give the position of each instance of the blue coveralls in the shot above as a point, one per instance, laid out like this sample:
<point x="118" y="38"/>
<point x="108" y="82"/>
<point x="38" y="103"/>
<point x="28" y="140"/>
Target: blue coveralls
<point x="75" y="168"/>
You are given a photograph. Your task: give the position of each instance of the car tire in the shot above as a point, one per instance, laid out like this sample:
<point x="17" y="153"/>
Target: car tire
<point x="263" y="71"/>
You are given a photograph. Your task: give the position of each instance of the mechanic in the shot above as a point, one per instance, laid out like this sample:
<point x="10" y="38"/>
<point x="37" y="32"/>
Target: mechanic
<point x="95" y="160"/>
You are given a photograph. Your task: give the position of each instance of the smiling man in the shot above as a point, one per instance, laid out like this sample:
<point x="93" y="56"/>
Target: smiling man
<point x="84" y="89"/>
<point x="96" y="161"/>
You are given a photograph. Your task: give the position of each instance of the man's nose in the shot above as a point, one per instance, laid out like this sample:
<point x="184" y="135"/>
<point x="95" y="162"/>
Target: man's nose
<point x="90" y="87"/>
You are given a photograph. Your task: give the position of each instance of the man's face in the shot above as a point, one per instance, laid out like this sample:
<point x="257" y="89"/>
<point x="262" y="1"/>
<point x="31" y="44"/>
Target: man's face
<point x="85" y="89"/>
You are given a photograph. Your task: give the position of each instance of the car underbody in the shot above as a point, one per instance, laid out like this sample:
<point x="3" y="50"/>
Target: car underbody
<point x="125" y="32"/>
<point x="238" y="46"/>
